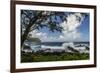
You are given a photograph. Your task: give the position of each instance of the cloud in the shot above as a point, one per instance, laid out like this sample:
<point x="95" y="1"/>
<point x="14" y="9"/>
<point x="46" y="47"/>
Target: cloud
<point x="45" y="37"/>
<point x="41" y="35"/>
<point x="70" y="32"/>
<point x="73" y="21"/>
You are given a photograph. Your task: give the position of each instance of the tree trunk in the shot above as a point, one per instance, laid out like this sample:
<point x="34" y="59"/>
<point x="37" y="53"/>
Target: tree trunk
<point x="26" y="32"/>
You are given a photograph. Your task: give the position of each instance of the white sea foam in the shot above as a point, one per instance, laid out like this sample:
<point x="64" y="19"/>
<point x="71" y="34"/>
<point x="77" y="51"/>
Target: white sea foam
<point x="64" y="46"/>
<point x="52" y="47"/>
<point x="68" y="44"/>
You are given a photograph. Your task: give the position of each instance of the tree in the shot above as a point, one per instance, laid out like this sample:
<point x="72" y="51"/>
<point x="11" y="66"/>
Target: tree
<point x="32" y="19"/>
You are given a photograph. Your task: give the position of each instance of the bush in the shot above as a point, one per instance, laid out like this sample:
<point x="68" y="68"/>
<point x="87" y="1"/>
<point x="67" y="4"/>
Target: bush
<point x="42" y="57"/>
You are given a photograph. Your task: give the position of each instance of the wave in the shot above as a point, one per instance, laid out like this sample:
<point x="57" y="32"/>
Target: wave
<point x="63" y="46"/>
<point x="52" y="47"/>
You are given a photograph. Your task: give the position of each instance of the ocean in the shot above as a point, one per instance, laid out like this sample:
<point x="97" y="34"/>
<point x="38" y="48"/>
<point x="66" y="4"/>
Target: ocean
<point x="61" y="43"/>
<point x="56" y="45"/>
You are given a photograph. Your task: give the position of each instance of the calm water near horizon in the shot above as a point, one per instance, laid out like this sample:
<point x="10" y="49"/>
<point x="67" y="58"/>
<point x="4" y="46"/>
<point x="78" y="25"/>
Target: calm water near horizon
<point x="61" y="43"/>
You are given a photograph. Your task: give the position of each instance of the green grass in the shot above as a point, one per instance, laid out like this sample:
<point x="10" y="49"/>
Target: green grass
<point x="44" y="57"/>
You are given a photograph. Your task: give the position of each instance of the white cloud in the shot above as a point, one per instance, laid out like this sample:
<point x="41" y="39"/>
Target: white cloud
<point x="70" y="32"/>
<point x="73" y="21"/>
<point x="41" y="35"/>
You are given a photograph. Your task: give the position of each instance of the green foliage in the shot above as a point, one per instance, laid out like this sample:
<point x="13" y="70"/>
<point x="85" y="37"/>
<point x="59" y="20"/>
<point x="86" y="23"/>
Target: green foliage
<point x="38" y="57"/>
<point x="26" y="57"/>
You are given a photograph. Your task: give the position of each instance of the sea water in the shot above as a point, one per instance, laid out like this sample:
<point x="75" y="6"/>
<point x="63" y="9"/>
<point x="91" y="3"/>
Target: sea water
<point x="56" y="45"/>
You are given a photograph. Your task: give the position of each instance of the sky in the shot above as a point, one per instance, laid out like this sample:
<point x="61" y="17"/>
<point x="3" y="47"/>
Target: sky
<point x="74" y="30"/>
